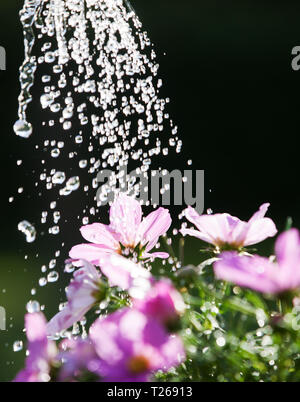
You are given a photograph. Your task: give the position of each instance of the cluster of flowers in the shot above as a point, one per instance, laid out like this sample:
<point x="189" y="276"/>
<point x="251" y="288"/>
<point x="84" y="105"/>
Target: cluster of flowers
<point x="130" y="343"/>
<point x="230" y="235"/>
<point x="134" y="342"/>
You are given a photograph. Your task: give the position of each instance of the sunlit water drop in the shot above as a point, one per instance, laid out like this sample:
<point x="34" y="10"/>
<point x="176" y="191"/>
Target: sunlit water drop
<point x="23" y="128"/>
<point x="33" y="306"/>
<point x="17" y="346"/>
<point x="28" y="229"/>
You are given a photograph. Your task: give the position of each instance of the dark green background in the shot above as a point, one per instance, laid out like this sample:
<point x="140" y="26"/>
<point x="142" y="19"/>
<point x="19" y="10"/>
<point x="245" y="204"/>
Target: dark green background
<point x="234" y="96"/>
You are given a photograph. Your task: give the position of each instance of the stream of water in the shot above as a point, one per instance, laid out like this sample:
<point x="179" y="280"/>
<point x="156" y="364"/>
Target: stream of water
<point x="94" y="74"/>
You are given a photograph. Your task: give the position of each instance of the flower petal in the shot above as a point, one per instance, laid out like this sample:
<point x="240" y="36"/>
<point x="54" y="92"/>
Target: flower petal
<point x="100" y="234"/>
<point x="125" y="217"/>
<point x="288" y="256"/>
<point x="260" y="213"/>
<point x="259" y="230"/>
<point x="88" y="270"/>
<point x="80" y="294"/>
<point x="255" y="272"/>
<point x="35" y="325"/>
<point x="27" y="375"/>
<point x="89" y="252"/>
<point x="153" y="226"/>
<point x="121" y="271"/>
<point x="65" y="319"/>
<point x="217" y="227"/>
<point x="159" y="254"/>
<point x="287" y="247"/>
<point x="196" y="233"/>
<point x="173" y="352"/>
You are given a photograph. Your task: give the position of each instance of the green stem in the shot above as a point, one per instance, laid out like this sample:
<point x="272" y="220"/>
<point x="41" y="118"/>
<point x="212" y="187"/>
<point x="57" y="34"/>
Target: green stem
<point x="169" y="247"/>
<point x="181" y="250"/>
<point x="279" y="305"/>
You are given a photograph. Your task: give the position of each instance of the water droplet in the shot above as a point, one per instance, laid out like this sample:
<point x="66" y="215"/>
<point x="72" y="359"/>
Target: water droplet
<point x="73" y="183"/>
<point x="53" y="276"/>
<point x="22" y="128"/>
<point x="46" y="100"/>
<point x="42" y="282"/>
<point x="55" y="152"/>
<point x="29" y="230"/>
<point x="49" y="57"/>
<point x="58" y="178"/>
<point x="33" y="306"/>
<point x="17" y="346"/>
<point x="221" y="341"/>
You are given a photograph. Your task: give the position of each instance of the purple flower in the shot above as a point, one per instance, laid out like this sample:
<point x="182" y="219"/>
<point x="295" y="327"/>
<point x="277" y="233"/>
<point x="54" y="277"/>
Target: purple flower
<point x="83" y="292"/>
<point x="42" y="352"/>
<point x="132" y="346"/>
<point x="162" y="302"/>
<point x="126" y="232"/>
<point x="79" y="360"/>
<point x="224" y="230"/>
<point x="260" y="273"/>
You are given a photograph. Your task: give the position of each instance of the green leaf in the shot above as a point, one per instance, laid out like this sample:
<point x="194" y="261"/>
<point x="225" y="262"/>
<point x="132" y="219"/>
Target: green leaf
<point x="289" y="223"/>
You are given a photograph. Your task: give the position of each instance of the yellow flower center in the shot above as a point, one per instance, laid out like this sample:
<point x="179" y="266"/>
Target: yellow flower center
<point x="222" y="246"/>
<point x="138" y="364"/>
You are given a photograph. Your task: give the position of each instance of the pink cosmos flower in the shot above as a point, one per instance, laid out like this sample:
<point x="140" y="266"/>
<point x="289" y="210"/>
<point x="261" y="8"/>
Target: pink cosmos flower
<point x="260" y="273"/>
<point x="42" y="352"/>
<point x="126" y="230"/>
<point x="224" y="230"/>
<point x="162" y="302"/>
<point x="132" y="346"/>
<point x="84" y="291"/>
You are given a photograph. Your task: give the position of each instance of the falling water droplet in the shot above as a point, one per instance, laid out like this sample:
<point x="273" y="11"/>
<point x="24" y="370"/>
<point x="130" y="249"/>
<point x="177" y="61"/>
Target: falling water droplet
<point x="33" y="306"/>
<point x="53" y="276"/>
<point x="17" y="346"/>
<point x="58" y="178"/>
<point x="29" y="230"/>
<point x="22" y="128"/>
<point x="42" y="282"/>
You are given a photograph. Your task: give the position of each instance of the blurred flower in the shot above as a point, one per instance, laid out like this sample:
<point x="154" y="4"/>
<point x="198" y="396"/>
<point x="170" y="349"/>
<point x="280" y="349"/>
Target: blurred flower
<point x="260" y="273"/>
<point x="132" y="346"/>
<point x="126" y="234"/>
<point x="83" y="292"/>
<point x="42" y="352"/>
<point x="163" y="303"/>
<point x="296" y="301"/>
<point x="228" y="232"/>
<point x="80" y="361"/>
